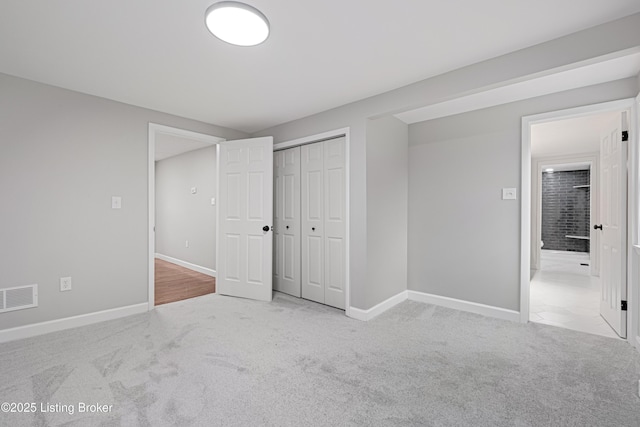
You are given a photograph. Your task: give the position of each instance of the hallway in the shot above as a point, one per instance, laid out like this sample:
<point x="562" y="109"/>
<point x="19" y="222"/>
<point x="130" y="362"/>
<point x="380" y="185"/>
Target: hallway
<point x="176" y="283"/>
<point x="564" y="294"/>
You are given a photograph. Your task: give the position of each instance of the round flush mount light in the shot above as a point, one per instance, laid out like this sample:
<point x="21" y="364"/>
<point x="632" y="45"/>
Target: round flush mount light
<point x="237" y="23"/>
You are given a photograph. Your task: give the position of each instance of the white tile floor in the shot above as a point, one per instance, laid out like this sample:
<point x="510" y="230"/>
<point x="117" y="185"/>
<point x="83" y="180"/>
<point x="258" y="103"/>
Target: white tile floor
<point x="564" y="294"/>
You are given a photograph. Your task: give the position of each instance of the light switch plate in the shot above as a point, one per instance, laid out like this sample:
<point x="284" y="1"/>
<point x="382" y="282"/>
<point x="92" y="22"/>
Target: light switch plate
<point x="194" y="190"/>
<point x="116" y="202"/>
<point x="508" y="194"/>
<point x="213" y="200"/>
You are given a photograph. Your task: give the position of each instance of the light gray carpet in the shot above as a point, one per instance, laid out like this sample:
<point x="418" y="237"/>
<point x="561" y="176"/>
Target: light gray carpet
<point x="226" y="361"/>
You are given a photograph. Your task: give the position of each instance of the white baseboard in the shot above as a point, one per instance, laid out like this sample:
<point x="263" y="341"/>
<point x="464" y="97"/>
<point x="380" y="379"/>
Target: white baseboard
<point x="359" y="314"/>
<point x="185" y="264"/>
<point x="29" y="331"/>
<point x="471" y="307"/>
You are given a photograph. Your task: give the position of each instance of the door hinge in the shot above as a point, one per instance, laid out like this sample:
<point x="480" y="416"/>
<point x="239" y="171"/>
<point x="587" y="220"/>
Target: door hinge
<point x="625" y="135"/>
<point x="623" y="305"/>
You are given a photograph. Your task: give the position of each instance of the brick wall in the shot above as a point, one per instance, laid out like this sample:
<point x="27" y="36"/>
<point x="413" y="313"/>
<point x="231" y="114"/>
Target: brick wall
<point x="565" y="210"/>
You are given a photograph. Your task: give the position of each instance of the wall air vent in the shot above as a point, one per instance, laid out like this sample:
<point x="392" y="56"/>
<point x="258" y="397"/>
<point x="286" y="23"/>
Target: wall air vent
<point x="18" y="298"/>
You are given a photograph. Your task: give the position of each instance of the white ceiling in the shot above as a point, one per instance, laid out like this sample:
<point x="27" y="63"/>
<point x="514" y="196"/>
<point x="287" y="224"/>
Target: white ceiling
<point x="569" y="136"/>
<point x="158" y="54"/>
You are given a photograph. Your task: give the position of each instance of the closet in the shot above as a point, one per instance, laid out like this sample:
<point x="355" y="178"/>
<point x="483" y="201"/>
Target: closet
<point x="310" y="222"/>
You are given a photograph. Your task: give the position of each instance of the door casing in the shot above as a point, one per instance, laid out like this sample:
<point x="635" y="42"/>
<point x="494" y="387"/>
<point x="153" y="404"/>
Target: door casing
<point x="633" y="290"/>
<point x="536" y="221"/>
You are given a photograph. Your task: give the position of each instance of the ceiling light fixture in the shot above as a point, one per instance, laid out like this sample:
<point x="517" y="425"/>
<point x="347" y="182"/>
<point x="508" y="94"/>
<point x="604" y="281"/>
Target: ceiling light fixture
<point x="237" y="23"/>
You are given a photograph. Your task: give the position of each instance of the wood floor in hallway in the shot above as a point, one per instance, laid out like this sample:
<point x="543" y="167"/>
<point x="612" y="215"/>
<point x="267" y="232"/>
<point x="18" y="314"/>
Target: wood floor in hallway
<point x="176" y="283"/>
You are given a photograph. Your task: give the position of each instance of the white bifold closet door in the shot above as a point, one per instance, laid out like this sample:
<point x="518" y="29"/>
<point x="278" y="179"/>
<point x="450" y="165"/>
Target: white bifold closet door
<point x="286" y="269"/>
<point x="323" y="194"/>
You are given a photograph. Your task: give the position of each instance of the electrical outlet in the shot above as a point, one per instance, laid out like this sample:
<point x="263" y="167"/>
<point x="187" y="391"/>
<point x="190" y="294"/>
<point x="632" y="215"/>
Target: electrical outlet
<point x="194" y="190"/>
<point x="116" y="202"/>
<point x="65" y="284"/>
<point x="508" y="194"/>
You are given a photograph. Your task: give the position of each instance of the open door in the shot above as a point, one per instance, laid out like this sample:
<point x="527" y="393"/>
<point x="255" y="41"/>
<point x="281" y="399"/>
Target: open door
<point x="245" y="215"/>
<point x="613" y="212"/>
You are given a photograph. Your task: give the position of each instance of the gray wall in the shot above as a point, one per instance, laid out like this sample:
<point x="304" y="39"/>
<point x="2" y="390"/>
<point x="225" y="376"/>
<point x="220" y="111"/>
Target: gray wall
<point x="602" y="40"/>
<point x="464" y="241"/>
<point x="62" y="156"/>
<point x="387" y="205"/>
<point x="182" y="216"/>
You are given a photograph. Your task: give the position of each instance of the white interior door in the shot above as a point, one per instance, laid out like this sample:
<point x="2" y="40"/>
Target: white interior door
<point x="613" y="208"/>
<point x="312" y="181"/>
<point x="245" y="215"/>
<point x="287" y="260"/>
<point x="334" y="222"/>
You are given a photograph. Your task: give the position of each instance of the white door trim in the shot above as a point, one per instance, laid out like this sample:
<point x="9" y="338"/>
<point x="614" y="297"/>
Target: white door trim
<point x="633" y="228"/>
<point x="336" y="133"/>
<point x="525" y="203"/>
<point x="155" y="129"/>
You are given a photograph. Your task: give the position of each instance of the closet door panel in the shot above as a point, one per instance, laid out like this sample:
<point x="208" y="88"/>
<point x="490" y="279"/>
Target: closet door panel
<point x="277" y="214"/>
<point x="313" y="252"/>
<point x="287" y="221"/>
<point x="314" y="273"/>
<point x="334" y="223"/>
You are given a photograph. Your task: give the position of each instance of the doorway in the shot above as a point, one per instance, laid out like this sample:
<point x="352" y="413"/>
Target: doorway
<point x="565" y="287"/>
<point x="182" y="214"/>
<point x="568" y="277"/>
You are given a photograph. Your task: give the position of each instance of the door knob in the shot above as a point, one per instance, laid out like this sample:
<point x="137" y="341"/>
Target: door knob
<point x="597" y="227"/>
<point x="313" y="229"/>
<point x="287" y="227"/>
<point x="265" y="228"/>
